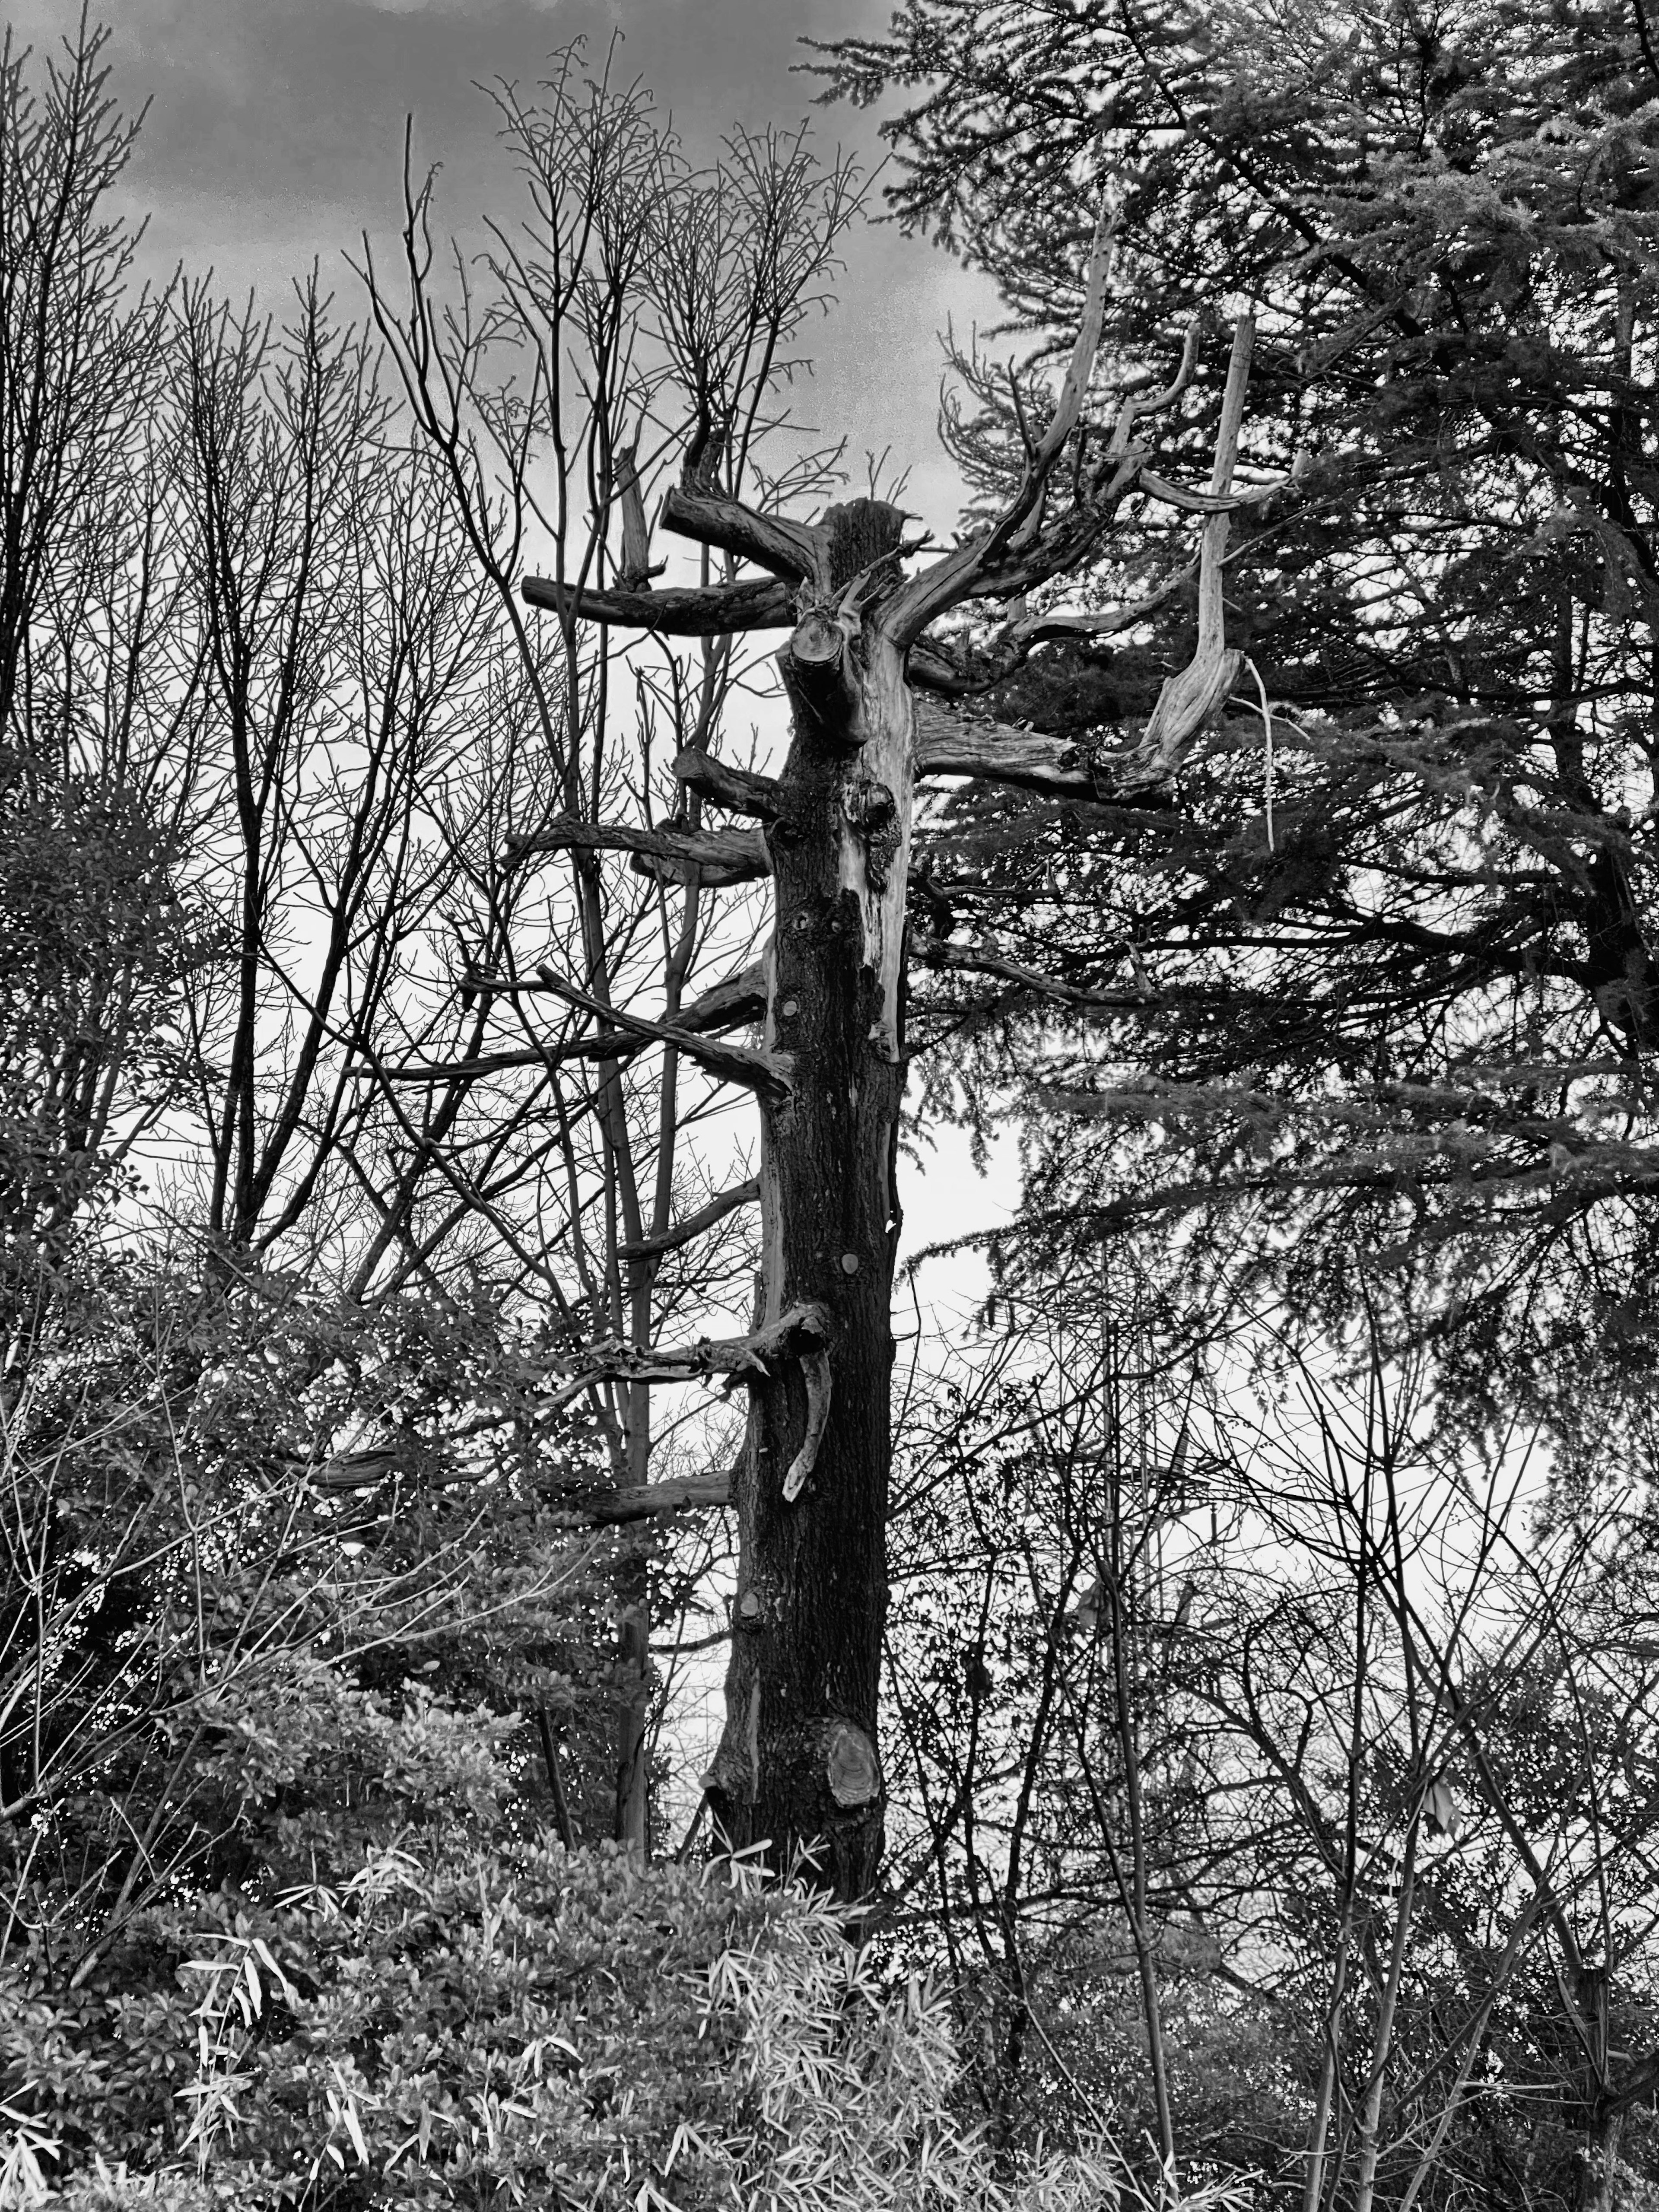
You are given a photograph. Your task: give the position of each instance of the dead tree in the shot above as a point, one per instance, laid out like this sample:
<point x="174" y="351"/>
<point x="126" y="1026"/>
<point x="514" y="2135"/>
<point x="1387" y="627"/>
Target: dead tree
<point x="798" y="1761"/>
<point x="542" y="378"/>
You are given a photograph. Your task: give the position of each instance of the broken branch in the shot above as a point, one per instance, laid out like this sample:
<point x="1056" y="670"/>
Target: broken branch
<point x="947" y="582"/>
<point x="715" y="611"/>
<point x="746" y="1358"/>
<point x="815" y="1368"/>
<point x="763" y="1071"/>
<point x="728" y="1201"/>
<point x="947" y="745"/>
<point x="610" y="1509"/>
<point x="738" y="789"/>
<point x="1191" y="697"/>
<point x="726" y="1006"/>
<point x="792" y="550"/>
<point x="721" y="856"/>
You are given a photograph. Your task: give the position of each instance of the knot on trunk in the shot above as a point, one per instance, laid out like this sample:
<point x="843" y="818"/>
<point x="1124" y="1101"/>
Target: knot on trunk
<point x="851" y="1767"/>
<point x="871" y="813"/>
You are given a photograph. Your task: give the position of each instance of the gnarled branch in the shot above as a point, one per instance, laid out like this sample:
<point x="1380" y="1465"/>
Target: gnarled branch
<point x="763" y="1071"/>
<point x="948" y="581"/>
<point x="745" y="1359"/>
<point x="610" y="1509"/>
<point x="721" y="856"/>
<point x="1191" y="697"/>
<point x="738" y="789"/>
<point x="1109" y="622"/>
<point x="950" y="745"/>
<point x="716" y="611"/>
<point x="728" y="1201"/>
<point x="792" y="550"/>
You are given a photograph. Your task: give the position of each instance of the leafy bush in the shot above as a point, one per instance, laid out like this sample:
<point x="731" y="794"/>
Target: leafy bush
<point x="468" y="2017"/>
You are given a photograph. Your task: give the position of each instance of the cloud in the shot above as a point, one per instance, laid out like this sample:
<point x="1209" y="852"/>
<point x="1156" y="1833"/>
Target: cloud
<point x="275" y="137"/>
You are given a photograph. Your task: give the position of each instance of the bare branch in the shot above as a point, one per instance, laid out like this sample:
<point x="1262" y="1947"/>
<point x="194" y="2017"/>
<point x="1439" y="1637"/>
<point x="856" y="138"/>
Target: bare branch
<point x="730" y="1005"/>
<point x="793" y="551"/>
<point x="715" y="611"/>
<point x="745" y="1359"/>
<point x="952" y="578"/>
<point x="1136" y="405"/>
<point x="1197" y="502"/>
<point x="728" y="1201"/>
<point x="931" y="668"/>
<point x="722" y="857"/>
<point x="763" y="1071"/>
<point x="962" y="960"/>
<point x="1032" y="630"/>
<point x="949" y="745"/>
<point x="495" y="1063"/>
<point x="726" y="1006"/>
<point x="1190" y="698"/>
<point x="738" y="789"/>
<point x="610" y="1509"/>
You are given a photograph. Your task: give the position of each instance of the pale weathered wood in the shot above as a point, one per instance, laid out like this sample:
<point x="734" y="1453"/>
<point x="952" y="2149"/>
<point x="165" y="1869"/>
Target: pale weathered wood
<point x="1191" y="698"/>
<point x="1029" y="760"/>
<point x="751" y="1358"/>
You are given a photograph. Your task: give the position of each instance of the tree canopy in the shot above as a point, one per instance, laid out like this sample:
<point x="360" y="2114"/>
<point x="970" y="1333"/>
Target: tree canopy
<point x="1365" y="994"/>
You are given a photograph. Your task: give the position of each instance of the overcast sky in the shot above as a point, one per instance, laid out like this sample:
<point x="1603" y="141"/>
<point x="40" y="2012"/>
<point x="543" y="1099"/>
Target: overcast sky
<point x="275" y="134"/>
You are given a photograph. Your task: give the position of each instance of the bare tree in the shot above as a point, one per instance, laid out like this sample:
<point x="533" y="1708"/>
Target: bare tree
<point x="95" y="677"/>
<point x="543" y="381"/>
<point x="798" y="1763"/>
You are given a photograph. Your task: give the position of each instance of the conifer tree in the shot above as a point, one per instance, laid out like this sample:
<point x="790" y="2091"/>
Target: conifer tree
<point x="1361" y="983"/>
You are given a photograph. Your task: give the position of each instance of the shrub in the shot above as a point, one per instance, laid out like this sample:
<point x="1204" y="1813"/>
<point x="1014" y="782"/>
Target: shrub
<point x="470" y="2019"/>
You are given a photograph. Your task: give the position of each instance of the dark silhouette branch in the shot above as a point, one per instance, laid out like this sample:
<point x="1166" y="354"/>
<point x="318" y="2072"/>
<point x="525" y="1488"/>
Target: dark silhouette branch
<point x="763" y="1071"/>
<point x="721" y="856"/>
<point x="728" y="1201"/>
<point x="738" y="789"/>
<point x="715" y="611"/>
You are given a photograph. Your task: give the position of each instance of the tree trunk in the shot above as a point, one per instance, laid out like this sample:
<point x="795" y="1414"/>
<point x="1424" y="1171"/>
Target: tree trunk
<point x="797" y="1764"/>
<point x="633" y="1700"/>
<point x="798" y="1767"/>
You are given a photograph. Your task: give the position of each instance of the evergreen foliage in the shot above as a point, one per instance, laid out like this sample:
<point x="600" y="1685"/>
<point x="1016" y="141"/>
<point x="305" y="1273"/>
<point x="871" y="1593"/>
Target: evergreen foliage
<point x="1372" y="999"/>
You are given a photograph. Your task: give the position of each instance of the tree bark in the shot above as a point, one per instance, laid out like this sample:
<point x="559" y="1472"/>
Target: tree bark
<point x="797" y="1764"/>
